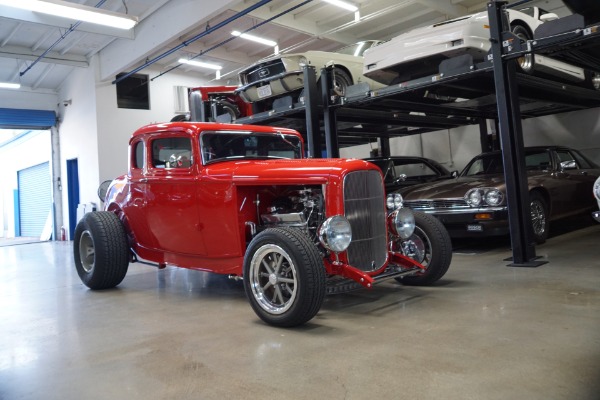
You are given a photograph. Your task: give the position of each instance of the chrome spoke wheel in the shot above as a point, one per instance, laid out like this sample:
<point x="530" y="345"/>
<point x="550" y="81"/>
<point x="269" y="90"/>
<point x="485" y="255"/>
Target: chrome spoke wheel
<point x="87" y="252"/>
<point x="273" y="279"/>
<point x="538" y="218"/>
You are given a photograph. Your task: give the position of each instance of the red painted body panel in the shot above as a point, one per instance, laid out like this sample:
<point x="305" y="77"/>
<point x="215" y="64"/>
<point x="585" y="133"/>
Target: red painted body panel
<point x="196" y="217"/>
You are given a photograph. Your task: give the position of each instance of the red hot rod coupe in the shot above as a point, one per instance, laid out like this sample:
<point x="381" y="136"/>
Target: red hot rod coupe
<point x="241" y="200"/>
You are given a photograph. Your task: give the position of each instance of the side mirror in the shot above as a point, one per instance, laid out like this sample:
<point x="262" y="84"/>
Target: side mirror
<point x="454" y="174"/>
<point x="570" y="164"/>
<point x="548" y="17"/>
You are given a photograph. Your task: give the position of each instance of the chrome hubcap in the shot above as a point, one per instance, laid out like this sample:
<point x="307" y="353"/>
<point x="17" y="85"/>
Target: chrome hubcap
<point x="273" y="279"/>
<point x="538" y="218"/>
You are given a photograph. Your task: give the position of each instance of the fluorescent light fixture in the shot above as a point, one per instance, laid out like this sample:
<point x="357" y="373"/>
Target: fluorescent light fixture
<point x="342" y="4"/>
<point x="256" y="39"/>
<point x="7" y="85"/>
<point x="74" y="11"/>
<point x="200" y="64"/>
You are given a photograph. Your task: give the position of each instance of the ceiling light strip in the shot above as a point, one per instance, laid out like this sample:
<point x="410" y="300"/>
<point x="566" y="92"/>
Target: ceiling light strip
<point x="342" y="4"/>
<point x="76" y="12"/>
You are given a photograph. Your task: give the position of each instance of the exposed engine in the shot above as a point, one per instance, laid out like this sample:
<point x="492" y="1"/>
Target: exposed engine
<point x="303" y="209"/>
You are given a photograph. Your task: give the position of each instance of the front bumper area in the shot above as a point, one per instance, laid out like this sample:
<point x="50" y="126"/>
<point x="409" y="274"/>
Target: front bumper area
<point x="350" y="278"/>
<point x="469" y="223"/>
<point x="283" y="83"/>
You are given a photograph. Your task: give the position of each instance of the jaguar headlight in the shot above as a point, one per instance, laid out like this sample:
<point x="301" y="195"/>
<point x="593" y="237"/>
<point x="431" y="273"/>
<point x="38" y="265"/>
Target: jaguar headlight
<point x="484" y="197"/>
<point x="493" y="197"/>
<point x="597" y="189"/>
<point x="335" y="233"/>
<point x="394" y="201"/>
<point x="401" y="222"/>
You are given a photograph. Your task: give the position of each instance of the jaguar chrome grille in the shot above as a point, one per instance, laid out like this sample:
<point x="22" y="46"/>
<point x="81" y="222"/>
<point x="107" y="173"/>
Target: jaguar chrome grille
<point x="364" y="205"/>
<point x="446" y="204"/>
<point x="265" y="71"/>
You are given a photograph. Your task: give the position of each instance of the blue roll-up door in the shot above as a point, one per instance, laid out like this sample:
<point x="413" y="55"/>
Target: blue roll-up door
<point x="11" y="118"/>
<point x="35" y="198"/>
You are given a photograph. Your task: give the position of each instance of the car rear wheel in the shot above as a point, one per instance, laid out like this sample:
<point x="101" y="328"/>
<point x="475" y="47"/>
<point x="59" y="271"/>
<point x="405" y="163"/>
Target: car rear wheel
<point x="539" y="217"/>
<point x="429" y="245"/>
<point x="284" y="277"/>
<point x="100" y="250"/>
<point x="527" y="61"/>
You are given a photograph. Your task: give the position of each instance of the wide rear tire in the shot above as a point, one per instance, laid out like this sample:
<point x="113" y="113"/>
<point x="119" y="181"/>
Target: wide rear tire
<point x="100" y="250"/>
<point x="284" y="277"/>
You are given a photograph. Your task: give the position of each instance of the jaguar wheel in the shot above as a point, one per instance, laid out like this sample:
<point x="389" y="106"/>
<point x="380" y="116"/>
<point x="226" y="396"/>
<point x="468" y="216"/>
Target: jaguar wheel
<point x="539" y="217"/>
<point x="284" y="277"/>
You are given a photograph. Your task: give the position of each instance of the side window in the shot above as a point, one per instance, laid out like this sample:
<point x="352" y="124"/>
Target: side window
<point x="566" y="160"/>
<point x="138" y="155"/>
<point x="174" y="152"/>
<point x="537" y="161"/>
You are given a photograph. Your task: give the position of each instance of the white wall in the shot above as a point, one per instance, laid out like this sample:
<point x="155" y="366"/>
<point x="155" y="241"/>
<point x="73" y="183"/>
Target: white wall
<point x="26" y="99"/>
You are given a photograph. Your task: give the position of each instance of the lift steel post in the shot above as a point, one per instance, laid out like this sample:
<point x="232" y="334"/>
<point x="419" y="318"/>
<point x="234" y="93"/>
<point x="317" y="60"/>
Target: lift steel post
<point x="511" y="140"/>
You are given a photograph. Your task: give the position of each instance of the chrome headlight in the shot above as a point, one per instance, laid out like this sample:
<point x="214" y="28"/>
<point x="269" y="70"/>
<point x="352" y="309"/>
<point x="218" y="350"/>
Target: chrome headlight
<point x="597" y="189"/>
<point x="303" y="61"/>
<point x="335" y="233"/>
<point x="394" y="201"/>
<point x="484" y="197"/>
<point x="401" y="222"/>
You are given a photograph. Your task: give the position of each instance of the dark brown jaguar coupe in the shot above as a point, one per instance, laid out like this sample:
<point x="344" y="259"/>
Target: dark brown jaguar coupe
<point x="474" y="204"/>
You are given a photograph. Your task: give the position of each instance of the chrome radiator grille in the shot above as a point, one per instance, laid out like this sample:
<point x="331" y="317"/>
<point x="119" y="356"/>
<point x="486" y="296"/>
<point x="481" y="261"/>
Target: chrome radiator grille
<point x="264" y="71"/>
<point x="424" y="205"/>
<point x="364" y="204"/>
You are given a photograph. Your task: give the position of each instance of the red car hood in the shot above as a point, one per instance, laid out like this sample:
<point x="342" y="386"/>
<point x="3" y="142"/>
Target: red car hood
<point x="452" y="188"/>
<point x="306" y="171"/>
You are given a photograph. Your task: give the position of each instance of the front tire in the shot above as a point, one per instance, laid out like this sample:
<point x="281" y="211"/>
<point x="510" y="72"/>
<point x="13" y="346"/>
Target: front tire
<point x="100" y="250"/>
<point x="431" y="246"/>
<point x="539" y="217"/>
<point x="341" y="81"/>
<point x="284" y="277"/>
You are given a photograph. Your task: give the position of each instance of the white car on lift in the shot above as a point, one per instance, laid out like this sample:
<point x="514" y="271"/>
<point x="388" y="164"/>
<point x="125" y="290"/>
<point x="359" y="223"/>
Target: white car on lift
<point x="283" y="73"/>
<point x="419" y="52"/>
<point x="596" y="214"/>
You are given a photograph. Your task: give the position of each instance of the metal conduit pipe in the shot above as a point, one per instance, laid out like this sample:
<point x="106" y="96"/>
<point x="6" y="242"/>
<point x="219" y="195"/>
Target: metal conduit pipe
<point x="60" y="39"/>
<point x="234" y="37"/>
<point x="187" y="42"/>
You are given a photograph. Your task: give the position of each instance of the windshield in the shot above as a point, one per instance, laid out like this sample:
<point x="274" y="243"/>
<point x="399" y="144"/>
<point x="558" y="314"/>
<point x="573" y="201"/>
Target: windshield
<point x="228" y="145"/>
<point x="535" y="160"/>
<point x="356" y="49"/>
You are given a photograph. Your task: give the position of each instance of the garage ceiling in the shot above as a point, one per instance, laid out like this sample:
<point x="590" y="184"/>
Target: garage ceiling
<point x="166" y="24"/>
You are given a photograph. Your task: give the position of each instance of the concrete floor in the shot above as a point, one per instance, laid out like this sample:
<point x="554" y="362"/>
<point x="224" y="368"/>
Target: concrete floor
<point x="485" y="331"/>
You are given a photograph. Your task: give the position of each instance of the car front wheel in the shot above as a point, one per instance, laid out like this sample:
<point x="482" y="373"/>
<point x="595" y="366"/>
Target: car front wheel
<point x="284" y="277"/>
<point x="539" y="218"/>
<point x="100" y="250"/>
<point x="430" y="246"/>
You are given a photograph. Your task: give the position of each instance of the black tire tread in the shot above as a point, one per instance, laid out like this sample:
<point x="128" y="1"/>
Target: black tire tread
<point x="441" y="251"/>
<point x="312" y="290"/>
<point x="111" y="250"/>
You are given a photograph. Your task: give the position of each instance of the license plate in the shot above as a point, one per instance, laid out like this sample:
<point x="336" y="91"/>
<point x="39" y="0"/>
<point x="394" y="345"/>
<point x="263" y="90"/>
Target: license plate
<point x="264" y="91"/>
<point x="474" y="228"/>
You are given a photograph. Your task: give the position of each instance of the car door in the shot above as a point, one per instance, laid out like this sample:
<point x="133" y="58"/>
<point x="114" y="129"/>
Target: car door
<point x="577" y="178"/>
<point x="169" y="196"/>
